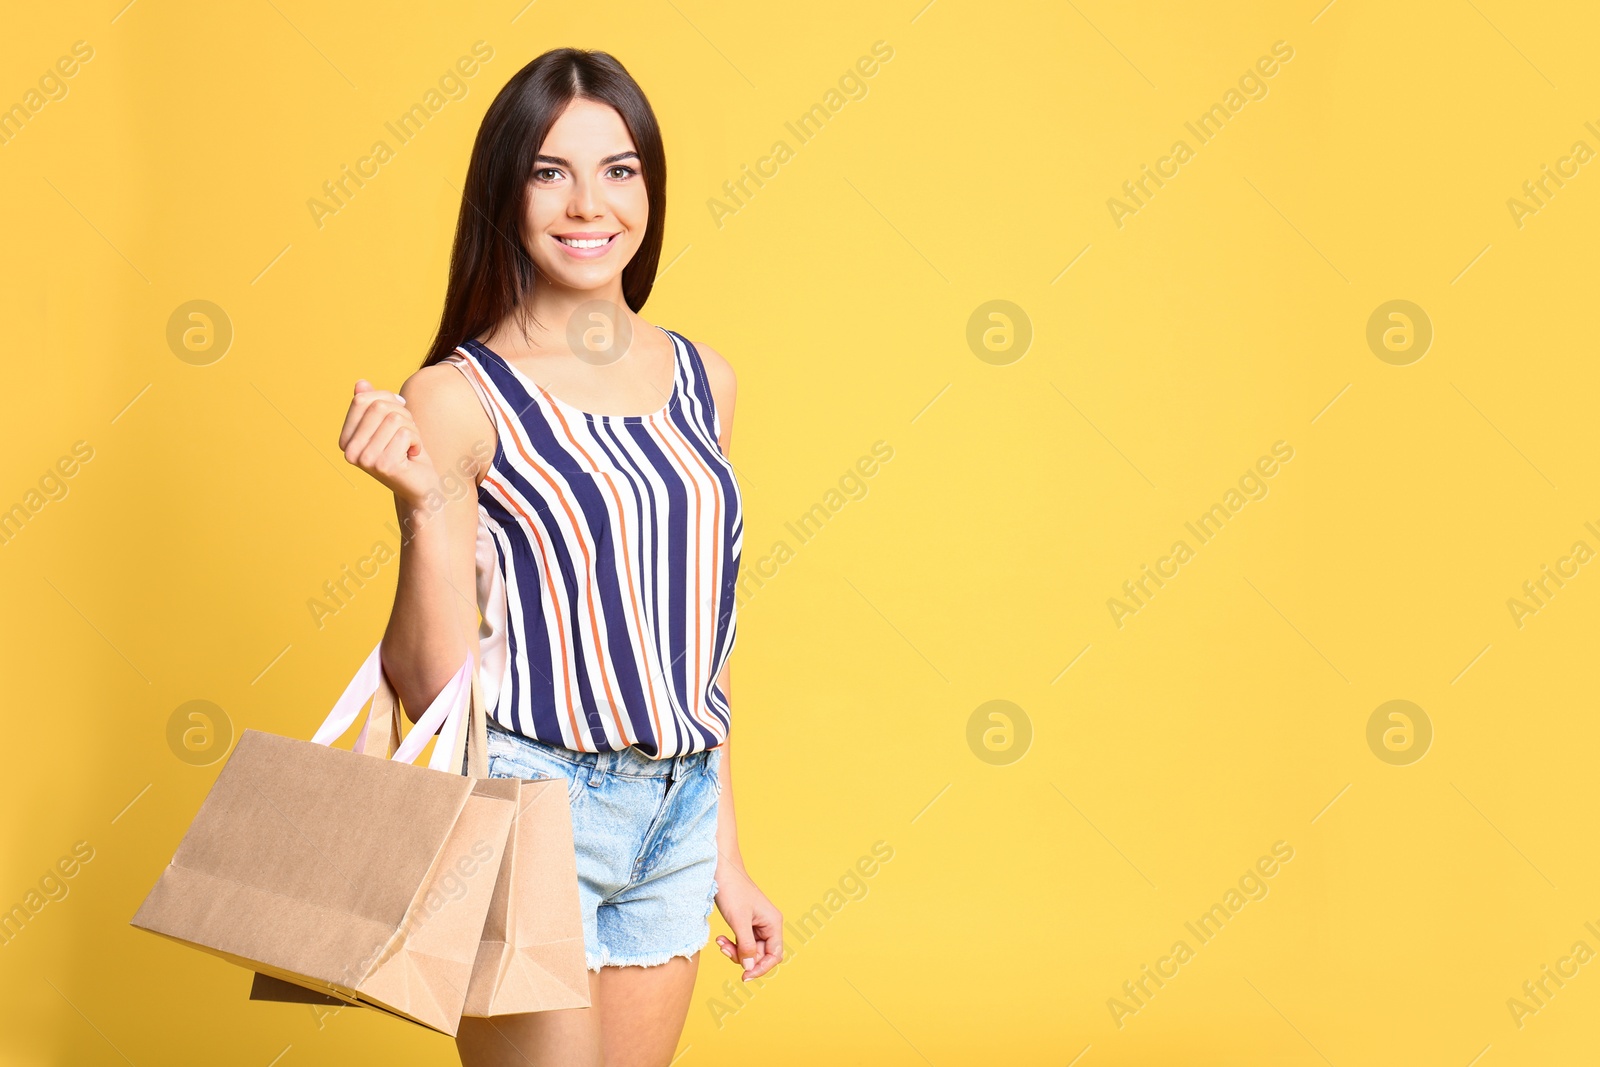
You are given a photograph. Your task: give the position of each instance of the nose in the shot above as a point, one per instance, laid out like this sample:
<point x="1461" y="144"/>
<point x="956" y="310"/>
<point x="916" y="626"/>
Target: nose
<point x="585" y="201"/>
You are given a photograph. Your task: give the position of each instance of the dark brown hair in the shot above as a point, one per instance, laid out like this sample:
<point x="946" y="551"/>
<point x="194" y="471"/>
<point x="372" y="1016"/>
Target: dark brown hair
<point x="491" y="273"/>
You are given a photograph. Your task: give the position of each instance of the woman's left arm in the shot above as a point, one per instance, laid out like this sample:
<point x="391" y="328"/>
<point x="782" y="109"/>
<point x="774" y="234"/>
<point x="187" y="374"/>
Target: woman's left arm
<point x="756" y="924"/>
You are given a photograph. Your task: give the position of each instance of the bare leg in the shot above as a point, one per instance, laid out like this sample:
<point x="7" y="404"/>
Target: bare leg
<point x="636" y="1018"/>
<point x="642" y="1011"/>
<point x="569" y="1037"/>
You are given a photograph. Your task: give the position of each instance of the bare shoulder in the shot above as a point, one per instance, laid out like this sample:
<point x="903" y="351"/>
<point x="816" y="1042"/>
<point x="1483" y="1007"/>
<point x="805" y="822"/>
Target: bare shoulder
<point x="717" y="365"/>
<point x="442" y="395"/>
<point x="719" y="372"/>
<point x="449" y="415"/>
<point x="440" y="378"/>
<point x="724" y="389"/>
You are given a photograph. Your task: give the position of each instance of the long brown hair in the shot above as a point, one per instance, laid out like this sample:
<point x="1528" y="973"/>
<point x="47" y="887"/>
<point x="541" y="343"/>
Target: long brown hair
<point x="491" y="273"/>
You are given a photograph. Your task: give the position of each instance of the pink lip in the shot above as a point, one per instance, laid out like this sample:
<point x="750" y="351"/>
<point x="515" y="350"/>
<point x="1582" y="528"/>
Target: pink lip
<point x="584" y="253"/>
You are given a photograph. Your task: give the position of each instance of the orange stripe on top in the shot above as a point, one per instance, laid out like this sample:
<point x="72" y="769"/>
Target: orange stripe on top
<point x="669" y="497"/>
<point x="547" y="571"/>
<point x="594" y="624"/>
<point x="699" y="693"/>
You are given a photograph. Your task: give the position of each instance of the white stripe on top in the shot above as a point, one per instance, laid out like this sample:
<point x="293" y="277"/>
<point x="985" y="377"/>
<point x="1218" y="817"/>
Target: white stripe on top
<point x="607" y="555"/>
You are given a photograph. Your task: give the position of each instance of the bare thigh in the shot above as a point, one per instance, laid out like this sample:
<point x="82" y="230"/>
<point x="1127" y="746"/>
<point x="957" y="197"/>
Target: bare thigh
<point x="642" y="1010"/>
<point x="636" y="1020"/>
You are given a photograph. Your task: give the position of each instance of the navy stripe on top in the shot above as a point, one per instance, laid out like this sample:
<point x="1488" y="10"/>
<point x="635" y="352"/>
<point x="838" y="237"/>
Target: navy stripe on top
<point x="608" y="552"/>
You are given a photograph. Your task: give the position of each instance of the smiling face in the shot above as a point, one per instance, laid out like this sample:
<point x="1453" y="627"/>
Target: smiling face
<point x="587" y="205"/>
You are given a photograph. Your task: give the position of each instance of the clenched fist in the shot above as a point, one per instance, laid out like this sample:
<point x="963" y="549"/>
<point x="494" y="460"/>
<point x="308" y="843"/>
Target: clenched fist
<point x="381" y="438"/>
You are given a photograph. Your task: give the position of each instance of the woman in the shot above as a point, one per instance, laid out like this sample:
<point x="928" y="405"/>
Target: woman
<point x="602" y="545"/>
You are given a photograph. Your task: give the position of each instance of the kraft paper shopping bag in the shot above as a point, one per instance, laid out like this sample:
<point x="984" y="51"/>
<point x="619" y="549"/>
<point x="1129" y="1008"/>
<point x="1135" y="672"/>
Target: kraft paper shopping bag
<point x="363" y="878"/>
<point x="532" y="957"/>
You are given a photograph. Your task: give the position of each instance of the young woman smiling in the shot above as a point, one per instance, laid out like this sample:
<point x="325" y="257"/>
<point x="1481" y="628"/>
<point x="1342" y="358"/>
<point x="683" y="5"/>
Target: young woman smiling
<point x="601" y="548"/>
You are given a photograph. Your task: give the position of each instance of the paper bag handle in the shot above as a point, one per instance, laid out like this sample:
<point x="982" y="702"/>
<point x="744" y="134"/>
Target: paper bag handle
<point x="459" y="703"/>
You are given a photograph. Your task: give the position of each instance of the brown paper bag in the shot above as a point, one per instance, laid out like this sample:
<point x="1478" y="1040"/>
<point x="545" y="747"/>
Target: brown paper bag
<point x="532" y="957"/>
<point x="366" y="879"/>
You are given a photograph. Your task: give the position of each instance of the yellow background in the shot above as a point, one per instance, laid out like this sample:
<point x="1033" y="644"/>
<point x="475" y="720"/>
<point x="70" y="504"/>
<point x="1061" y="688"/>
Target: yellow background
<point x="1229" y="313"/>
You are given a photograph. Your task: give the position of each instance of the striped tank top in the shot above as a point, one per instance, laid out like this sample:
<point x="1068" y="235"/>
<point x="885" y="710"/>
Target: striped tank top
<point x="608" y="550"/>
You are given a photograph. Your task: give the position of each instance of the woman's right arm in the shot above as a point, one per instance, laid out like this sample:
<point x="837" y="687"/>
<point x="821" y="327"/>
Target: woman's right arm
<point x="430" y="446"/>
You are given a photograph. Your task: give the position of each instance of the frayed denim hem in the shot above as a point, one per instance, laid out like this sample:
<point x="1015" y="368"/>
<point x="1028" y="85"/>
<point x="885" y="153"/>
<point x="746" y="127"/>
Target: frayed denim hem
<point x="606" y="959"/>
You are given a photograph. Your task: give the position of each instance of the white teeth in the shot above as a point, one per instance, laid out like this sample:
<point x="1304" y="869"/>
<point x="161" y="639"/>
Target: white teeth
<point x="594" y="243"/>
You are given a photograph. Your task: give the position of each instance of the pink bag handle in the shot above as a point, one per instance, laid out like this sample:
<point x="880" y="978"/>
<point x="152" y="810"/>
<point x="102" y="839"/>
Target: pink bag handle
<point x="444" y="716"/>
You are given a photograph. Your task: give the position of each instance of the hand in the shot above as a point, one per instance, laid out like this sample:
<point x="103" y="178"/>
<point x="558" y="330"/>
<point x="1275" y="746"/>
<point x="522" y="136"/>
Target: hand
<point x="754" y="921"/>
<point x="381" y="438"/>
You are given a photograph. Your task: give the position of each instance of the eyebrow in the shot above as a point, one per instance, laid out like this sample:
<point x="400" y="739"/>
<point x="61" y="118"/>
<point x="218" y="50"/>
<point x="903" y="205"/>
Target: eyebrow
<point x="558" y="161"/>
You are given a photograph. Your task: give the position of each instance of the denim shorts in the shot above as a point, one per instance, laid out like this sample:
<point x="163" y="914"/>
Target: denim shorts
<point x="645" y="833"/>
